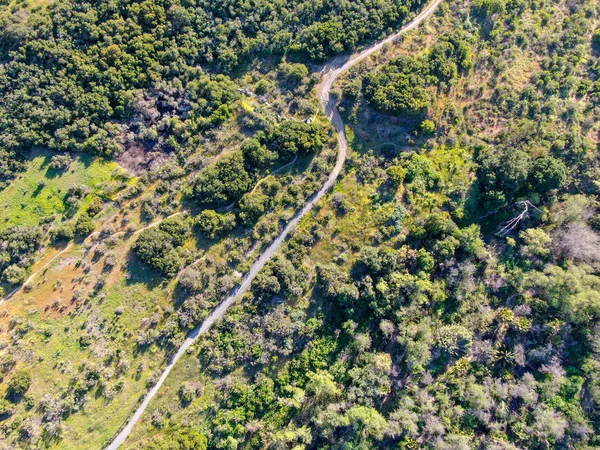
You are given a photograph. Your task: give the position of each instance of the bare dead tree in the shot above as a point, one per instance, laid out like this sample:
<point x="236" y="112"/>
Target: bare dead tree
<point x="513" y="223"/>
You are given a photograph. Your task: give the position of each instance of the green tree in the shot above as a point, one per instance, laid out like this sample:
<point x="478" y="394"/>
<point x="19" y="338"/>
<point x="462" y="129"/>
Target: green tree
<point x="455" y="339"/>
<point x="322" y="386"/>
<point x="427" y="127"/>
<point x="178" y="228"/>
<point x="224" y="181"/>
<point x="63" y="232"/>
<point x="502" y="170"/>
<point x="257" y="155"/>
<point x="291" y="137"/>
<point x="293" y="73"/>
<point x="396" y="174"/>
<point x="84" y="225"/>
<point x="157" y="249"/>
<point x="212" y="224"/>
<point x="537" y="242"/>
<point x="547" y="173"/>
<point x="14" y="274"/>
<point x="252" y="206"/>
<point x="366" y="422"/>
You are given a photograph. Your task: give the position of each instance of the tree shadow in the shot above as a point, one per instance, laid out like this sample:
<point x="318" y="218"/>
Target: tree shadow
<point x="385" y="193"/>
<point x="38" y="189"/>
<point x="52" y="173"/>
<point x="87" y="160"/>
<point x="138" y="272"/>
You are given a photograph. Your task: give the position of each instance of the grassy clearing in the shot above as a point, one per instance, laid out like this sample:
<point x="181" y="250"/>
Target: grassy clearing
<point x="40" y="191"/>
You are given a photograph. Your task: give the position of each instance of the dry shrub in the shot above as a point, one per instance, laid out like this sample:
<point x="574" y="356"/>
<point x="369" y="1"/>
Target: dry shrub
<point x="577" y="241"/>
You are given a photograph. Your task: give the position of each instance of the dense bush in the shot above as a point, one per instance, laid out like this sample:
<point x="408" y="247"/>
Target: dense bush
<point x="424" y="325"/>
<point x="223" y="182"/>
<point x="159" y="247"/>
<point x="400" y="87"/>
<point x="17" y="248"/>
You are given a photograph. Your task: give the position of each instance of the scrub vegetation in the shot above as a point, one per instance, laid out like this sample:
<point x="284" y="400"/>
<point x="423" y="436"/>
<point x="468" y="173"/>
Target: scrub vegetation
<point x="444" y="295"/>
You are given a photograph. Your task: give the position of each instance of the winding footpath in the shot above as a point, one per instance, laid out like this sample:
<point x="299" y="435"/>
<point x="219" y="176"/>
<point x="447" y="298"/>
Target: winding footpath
<point x="330" y="72"/>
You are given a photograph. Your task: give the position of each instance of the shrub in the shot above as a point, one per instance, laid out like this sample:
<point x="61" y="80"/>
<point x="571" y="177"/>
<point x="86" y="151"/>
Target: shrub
<point x="18" y="385"/>
<point x="84" y="225"/>
<point x="60" y="162"/>
<point x="398" y="216"/>
<point x="339" y="202"/>
<point x="190" y="279"/>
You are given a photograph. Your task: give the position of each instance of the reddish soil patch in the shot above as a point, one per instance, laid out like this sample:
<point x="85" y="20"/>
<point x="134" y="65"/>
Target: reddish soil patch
<point x="137" y="159"/>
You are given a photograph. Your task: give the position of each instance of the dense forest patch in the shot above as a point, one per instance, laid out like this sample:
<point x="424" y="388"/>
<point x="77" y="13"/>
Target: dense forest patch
<point x="98" y="77"/>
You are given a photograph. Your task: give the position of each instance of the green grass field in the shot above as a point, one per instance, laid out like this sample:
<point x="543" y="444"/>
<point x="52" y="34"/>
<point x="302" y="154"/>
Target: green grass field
<point x="40" y="191"/>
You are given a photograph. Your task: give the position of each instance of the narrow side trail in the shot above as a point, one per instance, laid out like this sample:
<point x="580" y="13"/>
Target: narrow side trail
<point x="330" y="72"/>
<point x="70" y="246"/>
<point x="154" y="224"/>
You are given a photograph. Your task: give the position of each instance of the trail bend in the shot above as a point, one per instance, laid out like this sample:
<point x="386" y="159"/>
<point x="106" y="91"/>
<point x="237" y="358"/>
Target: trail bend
<point x="329" y="73"/>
